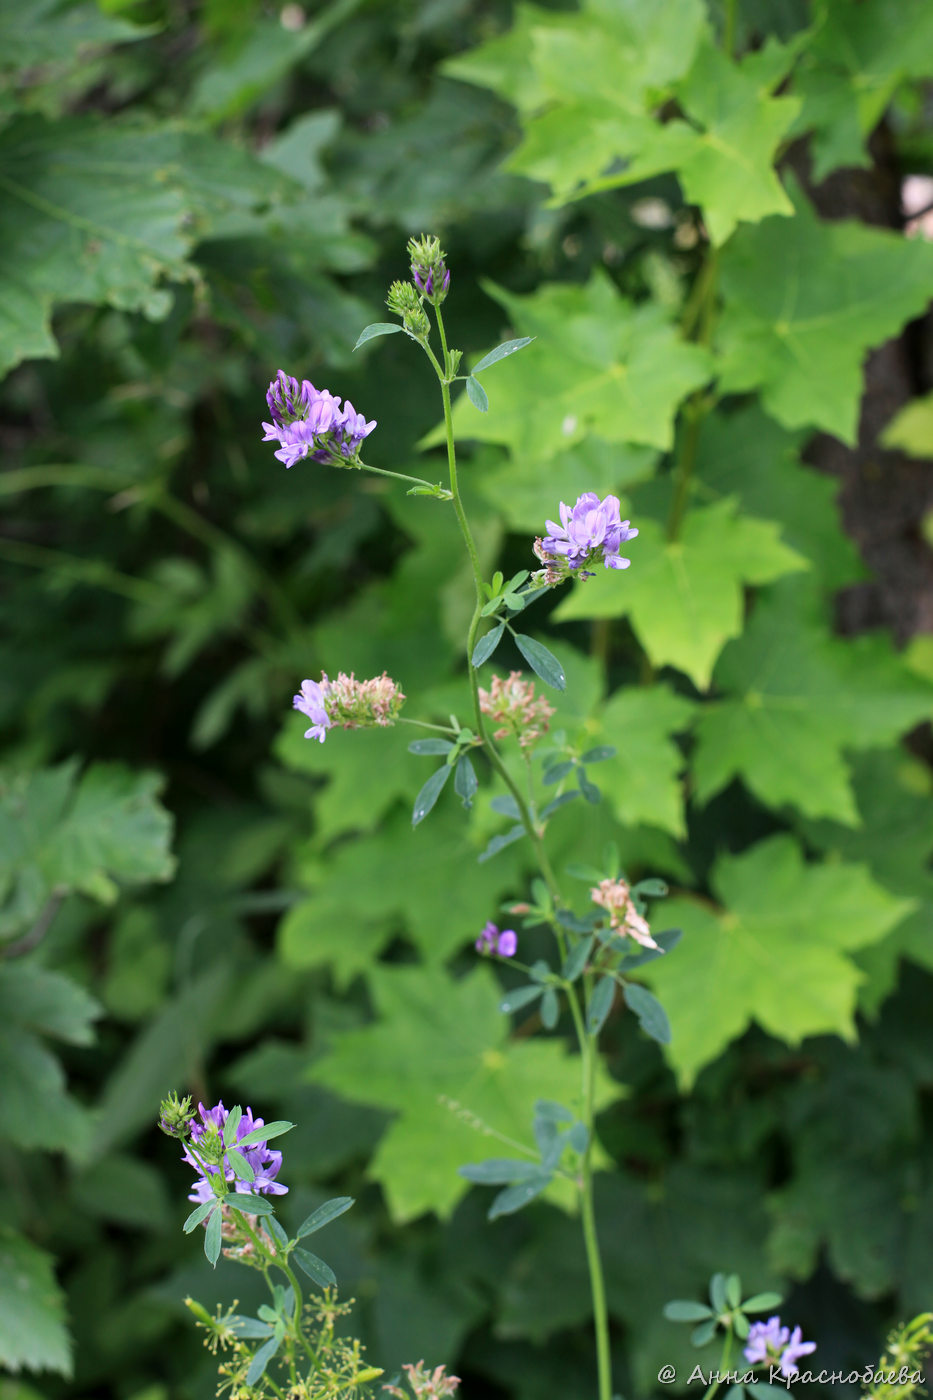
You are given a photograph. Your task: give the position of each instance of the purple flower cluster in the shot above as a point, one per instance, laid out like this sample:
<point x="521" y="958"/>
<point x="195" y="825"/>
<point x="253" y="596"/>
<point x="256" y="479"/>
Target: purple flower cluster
<point x="591" y="530"/>
<point x="265" y="1162"/>
<point x="309" y="422"/>
<point x="769" y="1341"/>
<point x="425" y="281"/>
<point x="492" y="941"/>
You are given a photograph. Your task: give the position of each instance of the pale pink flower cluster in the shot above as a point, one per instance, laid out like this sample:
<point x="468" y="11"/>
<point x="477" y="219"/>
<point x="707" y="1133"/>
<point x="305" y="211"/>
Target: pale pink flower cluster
<point x="425" y="1386"/>
<point x="349" y="703"/>
<point x="513" y="706"/>
<point x="357" y="704"/>
<point x="616" y="897"/>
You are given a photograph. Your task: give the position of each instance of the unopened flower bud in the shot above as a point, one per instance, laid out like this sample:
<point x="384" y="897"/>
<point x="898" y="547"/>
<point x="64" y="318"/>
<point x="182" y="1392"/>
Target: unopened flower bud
<point x="428" y="268"/>
<point x="403" y="300"/>
<point x="211" y="1145"/>
<point x="174" y="1115"/>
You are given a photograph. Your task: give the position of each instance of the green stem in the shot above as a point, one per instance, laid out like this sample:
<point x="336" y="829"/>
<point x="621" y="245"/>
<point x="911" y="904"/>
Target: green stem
<point x="697" y="319"/>
<point x="723" y="1366"/>
<point x="399" y="476"/>
<point x="728" y="28"/>
<point x="423" y="724"/>
<point x="586" y="1044"/>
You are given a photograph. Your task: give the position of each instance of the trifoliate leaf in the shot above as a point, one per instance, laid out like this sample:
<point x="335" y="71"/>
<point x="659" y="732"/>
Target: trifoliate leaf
<point x="804" y="301"/>
<point x="776" y="953"/>
<point x="440" y="1057"/>
<point x="33" y="1334"/>
<point x="602" y="365"/>
<point x="685" y="597"/>
<point x="795" y="698"/>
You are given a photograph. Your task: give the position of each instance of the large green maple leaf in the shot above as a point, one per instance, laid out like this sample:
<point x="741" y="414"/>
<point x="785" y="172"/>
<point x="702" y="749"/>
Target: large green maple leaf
<point x="600" y="365"/>
<point x="642" y="782"/>
<point x="804" y="300"/>
<point x="588" y="85"/>
<point x="685" y="597"/>
<point x="794" y="700"/>
<point x="776" y="952"/>
<point x="425" y="882"/>
<point x="33" y="1331"/>
<point x="59" y="833"/>
<point x="439" y="1054"/>
<point x="748" y="455"/>
<point x="107" y="212"/>
<point x="850" y="69"/>
<point x="724" y="155"/>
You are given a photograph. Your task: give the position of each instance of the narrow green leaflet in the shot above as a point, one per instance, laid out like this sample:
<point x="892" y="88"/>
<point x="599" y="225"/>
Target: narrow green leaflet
<point x="651" y="1014"/>
<point x="777" y="953"/>
<point x="603" y="365"/>
<point x="685" y="597"/>
<point x="543" y="662"/>
<point x="641" y="779"/>
<point x="324" y="1214"/>
<point x="33" y="1333"/>
<point x="199" y="1213"/>
<point x="477" y="394"/>
<point x="261" y="1359"/>
<point x="803" y="302"/>
<point x="501" y="352"/>
<point x="439" y="1056"/>
<point x="429" y="794"/>
<point x="794" y="699"/>
<point x="486" y="645"/>
<point x="59" y="833"/>
<point x="724" y="155"/>
<point x="377" y="328"/>
<point x="316" y="1269"/>
<point x="212" y="1238"/>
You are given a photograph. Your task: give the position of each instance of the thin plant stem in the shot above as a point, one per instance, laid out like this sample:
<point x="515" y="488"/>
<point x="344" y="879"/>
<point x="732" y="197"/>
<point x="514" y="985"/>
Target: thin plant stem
<point x="586" y="1043"/>
<point x="399" y="476"/>
<point x="723" y="1366"/>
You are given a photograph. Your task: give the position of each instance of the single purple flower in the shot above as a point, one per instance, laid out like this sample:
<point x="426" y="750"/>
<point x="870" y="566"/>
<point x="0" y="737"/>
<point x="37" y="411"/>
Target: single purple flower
<point x="769" y="1341"/>
<point x="766" y="1340"/>
<point x="508" y="943"/>
<point x="796" y="1348"/>
<point x="265" y="1162"/>
<point x="591" y="530"/>
<point x="309" y="422"/>
<point x="311" y="703"/>
<point x="486" y="943"/>
<point x="492" y="941"/>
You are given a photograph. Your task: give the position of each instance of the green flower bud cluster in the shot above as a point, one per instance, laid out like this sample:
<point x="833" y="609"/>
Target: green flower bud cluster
<point x="175" y="1115"/>
<point x="403" y="301"/>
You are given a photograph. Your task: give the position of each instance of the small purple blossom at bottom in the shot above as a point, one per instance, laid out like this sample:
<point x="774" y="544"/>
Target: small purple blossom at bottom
<point x="589" y="532"/>
<point x="769" y="1341"/>
<point x="492" y="941"/>
<point x="265" y="1162"/>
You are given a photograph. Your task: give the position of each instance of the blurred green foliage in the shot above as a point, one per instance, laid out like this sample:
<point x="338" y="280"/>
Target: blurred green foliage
<point x="192" y="197"/>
